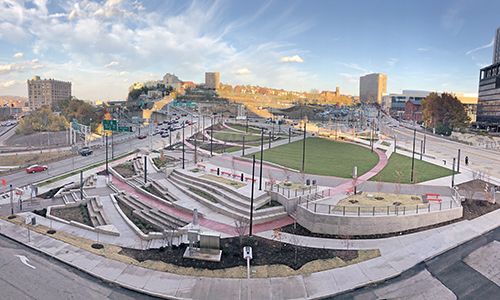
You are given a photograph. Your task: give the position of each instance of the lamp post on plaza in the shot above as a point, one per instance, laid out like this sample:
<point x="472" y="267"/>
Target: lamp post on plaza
<point x="251" y="195"/>
<point x="304" y="147"/>
<point x="261" y="156"/>
<point x="413" y="155"/>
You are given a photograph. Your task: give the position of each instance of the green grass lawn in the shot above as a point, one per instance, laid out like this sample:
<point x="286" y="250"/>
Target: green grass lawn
<point x="231" y="136"/>
<point x="323" y="157"/>
<point x="243" y="128"/>
<point x="424" y="171"/>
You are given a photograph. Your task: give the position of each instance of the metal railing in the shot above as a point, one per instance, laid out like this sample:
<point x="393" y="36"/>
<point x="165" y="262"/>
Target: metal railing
<point x="354" y="210"/>
<point x="294" y="192"/>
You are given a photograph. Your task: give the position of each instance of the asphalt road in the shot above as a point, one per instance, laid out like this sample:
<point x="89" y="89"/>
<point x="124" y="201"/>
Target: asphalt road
<point x="450" y="271"/>
<point x="21" y="178"/>
<point x="50" y="279"/>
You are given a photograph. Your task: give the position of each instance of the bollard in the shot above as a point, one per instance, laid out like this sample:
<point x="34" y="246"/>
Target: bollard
<point x="288" y="193"/>
<point x="329" y="209"/>
<point x="314" y="206"/>
<point x="343" y="210"/>
<point x="404" y="210"/>
<point x="439" y="206"/>
<point x="373" y="213"/>
<point x="359" y="210"/>
<point x="429" y="207"/>
<point x="218" y="171"/>
<point x="241" y="177"/>
<point x="451" y="204"/>
<point x="387" y="210"/>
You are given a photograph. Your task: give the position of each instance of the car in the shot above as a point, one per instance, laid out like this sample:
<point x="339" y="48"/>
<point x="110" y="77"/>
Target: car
<point x="85" y="151"/>
<point x="165" y="134"/>
<point x="36" y="168"/>
<point x="141" y="137"/>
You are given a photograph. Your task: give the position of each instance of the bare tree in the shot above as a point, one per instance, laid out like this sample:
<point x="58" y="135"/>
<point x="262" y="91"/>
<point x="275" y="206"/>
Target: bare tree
<point x="397" y="186"/>
<point x="241" y="227"/>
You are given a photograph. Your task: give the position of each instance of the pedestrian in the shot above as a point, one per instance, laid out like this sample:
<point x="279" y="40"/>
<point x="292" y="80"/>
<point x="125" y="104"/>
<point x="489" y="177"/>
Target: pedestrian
<point x="466" y="160"/>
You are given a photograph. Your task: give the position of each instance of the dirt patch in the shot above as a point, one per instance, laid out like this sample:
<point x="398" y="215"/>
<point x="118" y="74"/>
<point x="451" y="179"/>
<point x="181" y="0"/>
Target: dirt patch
<point x="265" y="252"/>
<point x="380" y="199"/>
<point x="33" y="158"/>
<point x="476" y="208"/>
<point x="126" y="169"/>
<point x="78" y="214"/>
<point x="260" y="271"/>
<point x="471" y="210"/>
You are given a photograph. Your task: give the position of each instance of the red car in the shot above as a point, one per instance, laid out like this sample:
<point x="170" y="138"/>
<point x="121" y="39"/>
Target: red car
<point x="36" y="168"/>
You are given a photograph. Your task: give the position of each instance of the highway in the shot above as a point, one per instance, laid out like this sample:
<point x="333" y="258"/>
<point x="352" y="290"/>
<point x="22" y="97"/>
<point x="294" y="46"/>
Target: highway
<point x="43" y="278"/>
<point x="480" y="159"/>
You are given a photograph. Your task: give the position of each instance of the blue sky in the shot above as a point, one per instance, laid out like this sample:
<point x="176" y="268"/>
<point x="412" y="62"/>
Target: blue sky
<point x="104" y="46"/>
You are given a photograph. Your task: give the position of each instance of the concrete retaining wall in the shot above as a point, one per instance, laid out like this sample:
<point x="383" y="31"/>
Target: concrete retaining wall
<point x="365" y="225"/>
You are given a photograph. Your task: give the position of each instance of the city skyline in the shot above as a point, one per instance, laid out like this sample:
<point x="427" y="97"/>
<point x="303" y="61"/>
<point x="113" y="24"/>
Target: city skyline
<point x="103" y="47"/>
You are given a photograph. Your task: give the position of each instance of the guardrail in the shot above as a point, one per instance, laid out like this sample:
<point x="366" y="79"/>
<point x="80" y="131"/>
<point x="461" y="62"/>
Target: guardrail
<point x="294" y="192"/>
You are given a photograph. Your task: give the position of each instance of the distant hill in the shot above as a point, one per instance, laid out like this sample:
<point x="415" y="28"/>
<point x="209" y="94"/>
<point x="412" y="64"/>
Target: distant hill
<point x="18" y="101"/>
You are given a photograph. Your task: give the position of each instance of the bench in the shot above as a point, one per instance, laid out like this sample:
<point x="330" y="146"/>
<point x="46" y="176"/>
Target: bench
<point x="250" y="178"/>
<point x="433" y="197"/>
<point x="226" y="173"/>
<point x="213" y="170"/>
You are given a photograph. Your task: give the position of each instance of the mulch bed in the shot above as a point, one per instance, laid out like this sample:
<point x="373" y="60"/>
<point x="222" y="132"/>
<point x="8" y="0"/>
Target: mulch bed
<point x="78" y="214"/>
<point x="50" y="193"/>
<point x="471" y="210"/>
<point x="126" y="170"/>
<point x="265" y="252"/>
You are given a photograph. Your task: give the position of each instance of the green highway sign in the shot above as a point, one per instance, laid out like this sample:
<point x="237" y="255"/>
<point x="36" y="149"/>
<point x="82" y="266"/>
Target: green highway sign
<point x="110" y="125"/>
<point x="124" y="128"/>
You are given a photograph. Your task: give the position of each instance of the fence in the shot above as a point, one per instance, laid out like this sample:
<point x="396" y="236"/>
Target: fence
<point x="354" y="210"/>
<point x="294" y="192"/>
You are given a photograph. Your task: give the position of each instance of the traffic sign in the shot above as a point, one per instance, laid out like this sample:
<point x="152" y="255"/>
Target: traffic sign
<point x="124" y="128"/>
<point x="110" y="125"/>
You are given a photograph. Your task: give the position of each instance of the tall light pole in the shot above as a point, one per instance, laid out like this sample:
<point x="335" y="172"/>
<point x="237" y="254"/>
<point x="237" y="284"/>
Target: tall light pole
<point x="304" y="148"/>
<point x="453" y="174"/>
<point x="261" y="156"/>
<point x="183" y="150"/>
<point x="413" y="155"/>
<point x="211" y="136"/>
<point x="458" y="161"/>
<point x="251" y="195"/>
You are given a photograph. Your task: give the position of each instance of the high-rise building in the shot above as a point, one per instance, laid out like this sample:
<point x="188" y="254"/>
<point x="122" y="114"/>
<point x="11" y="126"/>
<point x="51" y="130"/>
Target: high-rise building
<point x="47" y="92"/>
<point x="488" y="107"/>
<point x="496" y="47"/>
<point x="212" y="80"/>
<point x="372" y="87"/>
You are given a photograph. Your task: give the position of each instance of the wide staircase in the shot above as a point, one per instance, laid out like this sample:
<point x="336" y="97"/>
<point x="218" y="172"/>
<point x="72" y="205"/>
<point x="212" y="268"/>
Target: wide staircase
<point x="96" y="212"/>
<point x="224" y="199"/>
<point x="148" y="214"/>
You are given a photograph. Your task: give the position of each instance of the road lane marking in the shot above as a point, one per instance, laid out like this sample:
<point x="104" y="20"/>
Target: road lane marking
<point x="25" y="261"/>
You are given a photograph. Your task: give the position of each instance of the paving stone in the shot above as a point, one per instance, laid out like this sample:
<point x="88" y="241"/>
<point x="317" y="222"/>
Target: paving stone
<point x="134" y="276"/>
<point x="108" y="269"/>
<point x="288" y="288"/>
<point x="163" y="283"/>
<point x="320" y="284"/>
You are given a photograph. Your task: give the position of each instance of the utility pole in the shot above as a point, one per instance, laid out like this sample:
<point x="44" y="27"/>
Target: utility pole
<point x="247" y="124"/>
<point x="413" y="155"/>
<point x="304" y="148"/>
<point x="425" y="135"/>
<point x="203" y="129"/>
<point x="289" y="134"/>
<point x="112" y="145"/>
<point x="251" y="196"/>
<point x="421" y="148"/>
<point x="195" y="150"/>
<point x="270" y="138"/>
<point x="261" y="156"/>
<point x="183" y="150"/>
<point x="458" y="161"/>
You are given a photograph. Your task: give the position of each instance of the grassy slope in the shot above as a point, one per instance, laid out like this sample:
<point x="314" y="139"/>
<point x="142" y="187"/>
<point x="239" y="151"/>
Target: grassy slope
<point x="423" y="170"/>
<point x="323" y="157"/>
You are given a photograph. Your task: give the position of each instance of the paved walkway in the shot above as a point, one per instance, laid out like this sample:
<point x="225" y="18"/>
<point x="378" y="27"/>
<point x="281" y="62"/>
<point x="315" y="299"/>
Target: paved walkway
<point x="405" y="254"/>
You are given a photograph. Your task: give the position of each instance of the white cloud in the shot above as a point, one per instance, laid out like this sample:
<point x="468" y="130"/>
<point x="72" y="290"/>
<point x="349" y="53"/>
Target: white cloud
<point x="292" y="59"/>
<point x="111" y="64"/>
<point x="18" y="55"/>
<point x="392" y="61"/>
<point x="486" y="46"/>
<point x="7" y="84"/>
<point x="6" y="68"/>
<point x="422" y="49"/>
<point x="243" y="71"/>
<point x="94" y="37"/>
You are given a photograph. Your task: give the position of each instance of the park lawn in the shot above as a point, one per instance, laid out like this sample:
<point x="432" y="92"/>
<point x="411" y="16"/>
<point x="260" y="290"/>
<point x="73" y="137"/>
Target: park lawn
<point x="424" y="171"/>
<point x="323" y="157"/>
<point x="244" y="127"/>
<point x="230" y="136"/>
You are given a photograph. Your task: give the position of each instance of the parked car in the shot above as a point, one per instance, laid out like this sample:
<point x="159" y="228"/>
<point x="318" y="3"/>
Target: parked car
<point x="36" y="168"/>
<point x="142" y="136"/>
<point x="85" y="151"/>
<point x="165" y="135"/>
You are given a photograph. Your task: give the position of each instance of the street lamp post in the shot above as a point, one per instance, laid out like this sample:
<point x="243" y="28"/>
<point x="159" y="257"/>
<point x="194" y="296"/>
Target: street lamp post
<point x="183" y="150"/>
<point x="453" y="173"/>
<point x="261" y="157"/>
<point x="251" y="195"/>
<point x="458" y="161"/>
<point x="106" y="134"/>
<point x="243" y="153"/>
<point x="304" y="148"/>
<point x="211" y="136"/>
<point x="413" y="155"/>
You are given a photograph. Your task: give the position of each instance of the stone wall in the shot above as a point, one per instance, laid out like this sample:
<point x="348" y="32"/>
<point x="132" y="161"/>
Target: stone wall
<point x="365" y="225"/>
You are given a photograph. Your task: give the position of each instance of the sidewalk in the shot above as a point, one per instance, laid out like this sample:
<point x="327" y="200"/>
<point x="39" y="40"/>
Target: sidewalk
<point x="406" y="252"/>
